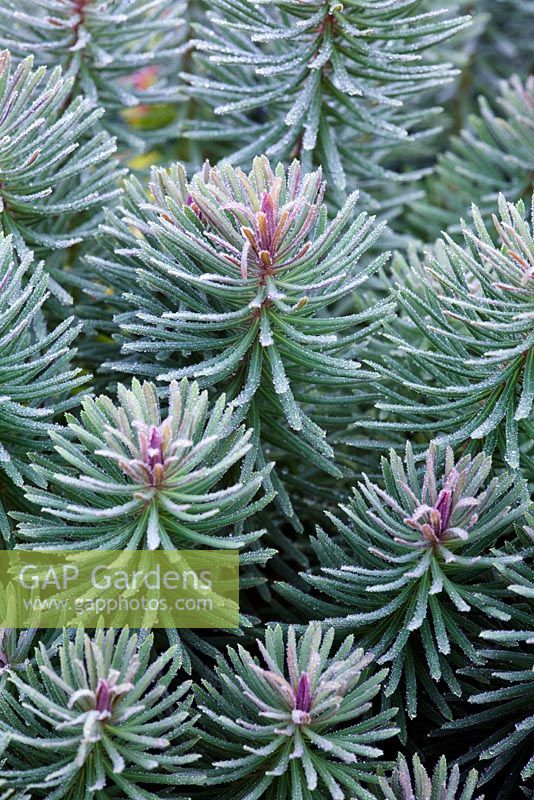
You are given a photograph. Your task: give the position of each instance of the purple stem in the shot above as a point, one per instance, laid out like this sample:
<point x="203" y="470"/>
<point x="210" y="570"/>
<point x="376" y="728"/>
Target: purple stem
<point x="303" y="699"/>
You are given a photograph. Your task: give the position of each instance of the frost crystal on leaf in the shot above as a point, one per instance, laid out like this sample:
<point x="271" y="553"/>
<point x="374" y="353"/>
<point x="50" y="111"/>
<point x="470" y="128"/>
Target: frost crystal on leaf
<point x="303" y="720"/>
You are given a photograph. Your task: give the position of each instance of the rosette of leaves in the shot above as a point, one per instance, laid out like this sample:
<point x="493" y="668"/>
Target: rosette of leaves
<point x="36" y="377"/>
<point x="472" y="375"/>
<point x="55" y="163"/>
<point x="493" y="154"/>
<point x="236" y="276"/>
<point x="136" y="475"/>
<point x="327" y="80"/>
<point x="123" y="55"/>
<point x="296" y="727"/>
<point x="417" y="784"/>
<point x="106" y="717"/>
<point x="412" y="572"/>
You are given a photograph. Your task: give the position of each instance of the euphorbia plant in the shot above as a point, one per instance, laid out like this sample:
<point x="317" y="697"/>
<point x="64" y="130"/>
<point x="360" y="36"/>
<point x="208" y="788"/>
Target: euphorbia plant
<point x="237" y="277"/>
